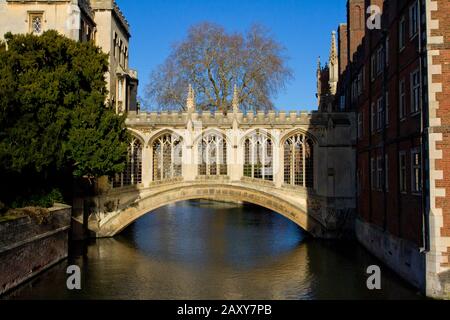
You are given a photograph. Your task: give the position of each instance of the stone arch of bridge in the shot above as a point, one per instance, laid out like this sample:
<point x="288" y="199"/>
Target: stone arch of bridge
<point x="142" y="205"/>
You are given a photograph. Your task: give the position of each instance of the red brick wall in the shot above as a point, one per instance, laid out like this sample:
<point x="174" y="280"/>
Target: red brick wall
<point x="356" y="25"/>
<point x="343" y="50"/>
<point x="399" y="214"/>
<point x="443" y="59"/>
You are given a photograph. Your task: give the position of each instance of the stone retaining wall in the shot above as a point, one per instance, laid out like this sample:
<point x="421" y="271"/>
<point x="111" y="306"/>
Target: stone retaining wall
<point x="27" y="248"/>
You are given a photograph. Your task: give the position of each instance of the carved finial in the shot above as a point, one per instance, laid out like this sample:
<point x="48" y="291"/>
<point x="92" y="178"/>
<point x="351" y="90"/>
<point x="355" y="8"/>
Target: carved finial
<point x="235" y="99"/>
<point x="190" y="103"/>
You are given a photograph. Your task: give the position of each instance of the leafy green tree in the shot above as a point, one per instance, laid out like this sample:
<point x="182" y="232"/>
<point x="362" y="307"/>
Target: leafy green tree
<point x="54" y="124"/>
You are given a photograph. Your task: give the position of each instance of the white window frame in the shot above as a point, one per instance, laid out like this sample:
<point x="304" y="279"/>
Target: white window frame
<point x="416" y="189"/>
<point x="380" y="59"/>
<point x="360" y="83"/>
<point x="360" y="124"/>
<point x="402" y="34"/>
<point x="387" y="50"/>
<point x="373" y="172"/>
<point x="413" y="20"/>
<point x="373" y="66"/>
<point x="379" y="114"/>
<point x="373" y="118"/>
<point x="415" y="91"/>
<point x="403" y="172"/>
<point x="386" y="111"/>
<point x="386" y="172"/>
<point x="402" y="99"/>
<point x="380" y="170"/>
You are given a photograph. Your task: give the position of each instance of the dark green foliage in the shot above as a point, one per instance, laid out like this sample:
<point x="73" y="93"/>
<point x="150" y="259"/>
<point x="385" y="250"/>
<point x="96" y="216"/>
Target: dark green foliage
<point x="42" y="200"/>
<point x="53" y="121"/>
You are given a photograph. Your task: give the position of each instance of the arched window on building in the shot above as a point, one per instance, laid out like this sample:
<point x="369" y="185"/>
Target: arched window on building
<point x="167" y="157"/>
<point x="358" y="16"/>
<point x="212" y="151"/>
<point x="132" y="174"/>
<point x="258" y="157"/>
<point x="299" y="161"/>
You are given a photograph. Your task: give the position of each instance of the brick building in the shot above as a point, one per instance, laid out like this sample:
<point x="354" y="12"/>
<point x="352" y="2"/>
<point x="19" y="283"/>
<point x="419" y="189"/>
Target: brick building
<point x="396" y="78"/>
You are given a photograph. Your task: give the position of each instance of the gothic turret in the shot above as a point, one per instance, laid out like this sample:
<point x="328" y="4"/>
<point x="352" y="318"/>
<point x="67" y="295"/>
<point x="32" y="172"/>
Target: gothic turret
<point x="190" y="101"/>
<point x="333" y="65"/>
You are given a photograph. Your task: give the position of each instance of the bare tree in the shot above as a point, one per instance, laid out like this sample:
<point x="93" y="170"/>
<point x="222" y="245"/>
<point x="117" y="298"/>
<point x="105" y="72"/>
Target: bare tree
<point x="214" y="62"/>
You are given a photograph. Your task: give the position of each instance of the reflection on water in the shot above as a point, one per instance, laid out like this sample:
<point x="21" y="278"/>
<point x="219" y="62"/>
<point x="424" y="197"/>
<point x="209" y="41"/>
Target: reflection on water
<point x="205" y="250"/>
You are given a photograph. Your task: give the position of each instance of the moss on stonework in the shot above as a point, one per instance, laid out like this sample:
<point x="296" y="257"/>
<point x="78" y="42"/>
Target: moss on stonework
<point x="39" y="215"/>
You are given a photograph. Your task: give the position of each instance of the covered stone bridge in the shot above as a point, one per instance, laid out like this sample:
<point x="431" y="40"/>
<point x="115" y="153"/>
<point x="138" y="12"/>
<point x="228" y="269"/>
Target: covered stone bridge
<point x="300" y="165"/>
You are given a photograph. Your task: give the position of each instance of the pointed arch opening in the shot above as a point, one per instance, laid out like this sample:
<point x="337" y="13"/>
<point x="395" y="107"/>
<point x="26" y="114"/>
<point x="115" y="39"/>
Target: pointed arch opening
<point x="299" y="161"/>
<point x="258" y="156"/>
<point x="132" y="175"/>
<point x="212" y="155"/>
<point x="167" y="156"/>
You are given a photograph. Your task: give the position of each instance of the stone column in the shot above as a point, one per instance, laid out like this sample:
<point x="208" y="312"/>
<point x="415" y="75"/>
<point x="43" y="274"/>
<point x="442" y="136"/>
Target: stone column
<point x="278" y="160"/>
<point x="238" y="167"/>
<point x="235" y="163"/>
<point x="190" y="154"/>
<point x="147" y="165"/>
<point x="189" y="167"/>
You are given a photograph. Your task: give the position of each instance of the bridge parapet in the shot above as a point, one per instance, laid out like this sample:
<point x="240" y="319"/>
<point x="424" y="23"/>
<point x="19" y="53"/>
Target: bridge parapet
<point x="271" y="118"/>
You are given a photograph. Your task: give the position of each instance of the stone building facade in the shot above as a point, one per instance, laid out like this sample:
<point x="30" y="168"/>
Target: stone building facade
<point x="396" y="79"/>
<point x="100" y="21"/>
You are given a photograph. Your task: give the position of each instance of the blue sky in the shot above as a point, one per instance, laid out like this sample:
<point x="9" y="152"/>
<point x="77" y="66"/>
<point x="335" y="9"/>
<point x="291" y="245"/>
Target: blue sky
<point x="303" y="27"/>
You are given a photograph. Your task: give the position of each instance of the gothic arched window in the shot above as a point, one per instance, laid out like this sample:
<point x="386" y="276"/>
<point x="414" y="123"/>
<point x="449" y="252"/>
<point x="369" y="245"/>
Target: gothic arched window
<point x="258" y="157"/>
<point x="167" y="157"/>
<point x="212" y="151"/>
<point x="132" y="174"/>
<point x="299" y="161"/>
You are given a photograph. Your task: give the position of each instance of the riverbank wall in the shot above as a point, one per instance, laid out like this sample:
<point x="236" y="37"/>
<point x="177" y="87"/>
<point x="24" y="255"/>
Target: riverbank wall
<point x="403" y="257"/>
<point x="28" y="248"/>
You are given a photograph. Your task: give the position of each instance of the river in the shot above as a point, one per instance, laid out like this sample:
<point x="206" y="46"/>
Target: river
<point x="209" y="250"/>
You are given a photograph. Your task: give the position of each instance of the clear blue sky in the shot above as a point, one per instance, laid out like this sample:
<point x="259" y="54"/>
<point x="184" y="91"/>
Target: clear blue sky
<point x="303" y="27"/>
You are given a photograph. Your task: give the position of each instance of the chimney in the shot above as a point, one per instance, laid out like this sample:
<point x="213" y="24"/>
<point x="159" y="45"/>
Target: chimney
<point x="356" y="26"/>
<point x="343" y="49"/>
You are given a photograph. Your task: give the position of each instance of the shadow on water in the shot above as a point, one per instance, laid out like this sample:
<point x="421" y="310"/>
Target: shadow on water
<point x="204" y="250"/>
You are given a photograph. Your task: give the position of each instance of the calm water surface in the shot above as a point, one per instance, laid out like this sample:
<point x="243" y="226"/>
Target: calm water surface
<point x="207" y="250"/>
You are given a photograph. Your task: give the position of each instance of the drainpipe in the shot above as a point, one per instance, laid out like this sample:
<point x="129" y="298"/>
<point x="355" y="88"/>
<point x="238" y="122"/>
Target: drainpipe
<point x="424" y="136"/>
<point x="384" y="104"/>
